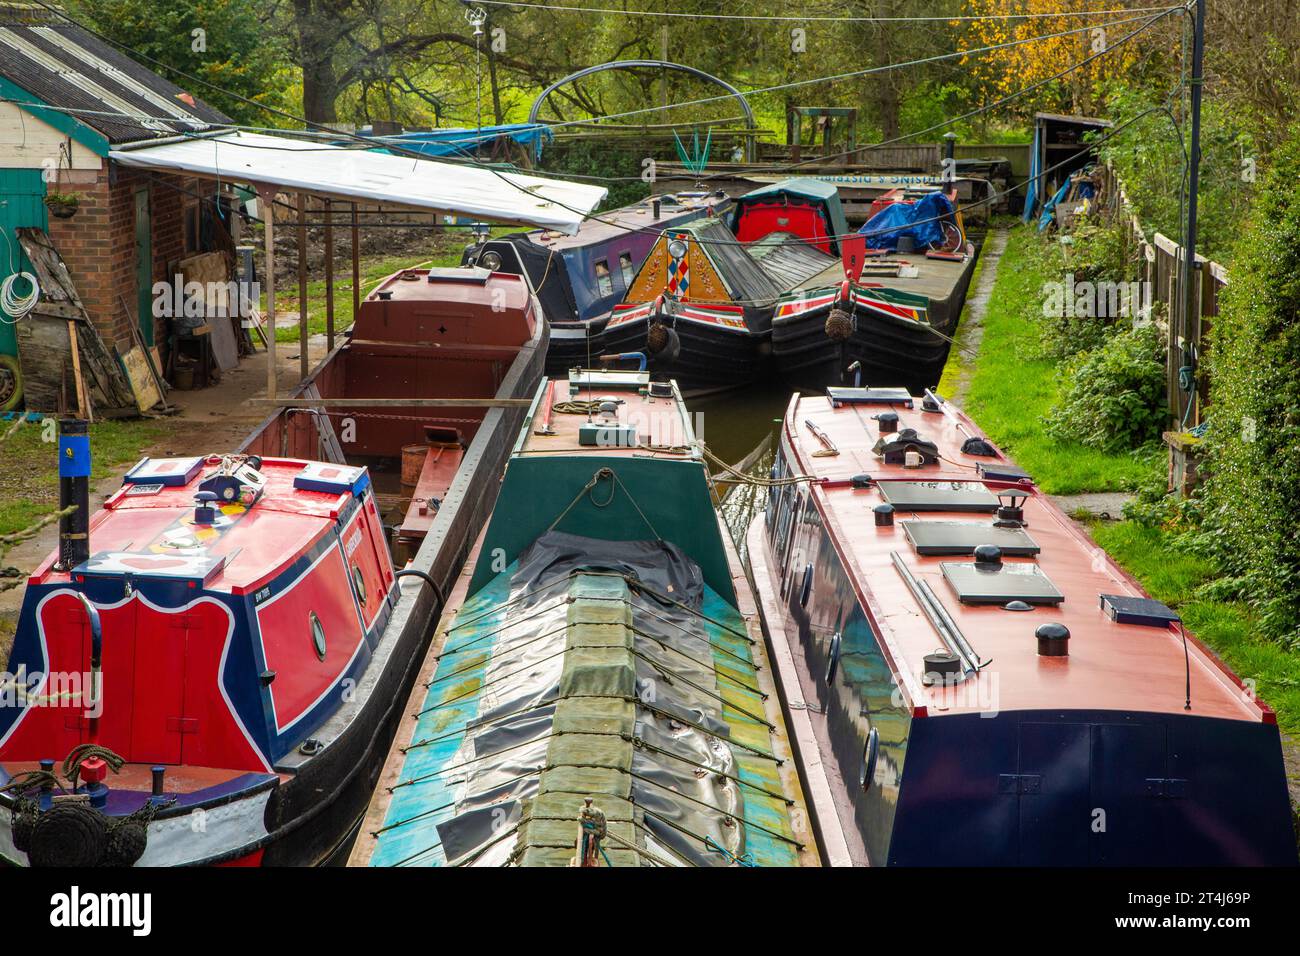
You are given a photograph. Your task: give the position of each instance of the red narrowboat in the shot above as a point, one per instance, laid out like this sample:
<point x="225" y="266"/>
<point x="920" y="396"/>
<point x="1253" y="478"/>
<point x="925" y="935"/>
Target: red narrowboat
<point x="211" y="671"/>
<point x="969" y="680"/>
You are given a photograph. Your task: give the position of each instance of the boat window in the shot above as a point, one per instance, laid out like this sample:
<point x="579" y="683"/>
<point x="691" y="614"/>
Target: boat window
<point x="604" y="282"/>
<point x="938" y="496"/>
<point x="359" y="584"/>
<point x="625" y="266"/>
<point x="317" y="634"/>
<point x="963" y="537"/>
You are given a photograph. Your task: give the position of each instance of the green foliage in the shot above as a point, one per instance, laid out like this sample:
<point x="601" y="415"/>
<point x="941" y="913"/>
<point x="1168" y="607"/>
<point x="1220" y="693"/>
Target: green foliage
<point x="232" y="49"/>
<point x="1252" y="492"/>
<point x="1149" y="160"/>
<point x="1013" y="386"/>
<point x="1093" y="253"/>
<point x="621" y="171"/>
<point x="1112" y="398"/>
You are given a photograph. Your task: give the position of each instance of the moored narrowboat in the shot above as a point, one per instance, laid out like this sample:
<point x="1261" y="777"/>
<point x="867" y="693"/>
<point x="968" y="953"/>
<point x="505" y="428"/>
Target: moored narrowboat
<point x="886" y="314"/>
<point x="701" y="306"/>
<point x="971" y="681"/>
<point x="596" y="693"/>
<point x="580" y="277"/>
<point x="210" y="670"/>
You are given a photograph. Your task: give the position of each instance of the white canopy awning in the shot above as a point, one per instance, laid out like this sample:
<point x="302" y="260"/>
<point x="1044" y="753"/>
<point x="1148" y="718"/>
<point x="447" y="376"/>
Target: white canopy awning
<point x="296" y="165"/>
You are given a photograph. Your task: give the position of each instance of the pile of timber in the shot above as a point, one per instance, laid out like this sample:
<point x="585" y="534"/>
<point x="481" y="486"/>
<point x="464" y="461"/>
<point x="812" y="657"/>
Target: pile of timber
<point x="65" y="363"/>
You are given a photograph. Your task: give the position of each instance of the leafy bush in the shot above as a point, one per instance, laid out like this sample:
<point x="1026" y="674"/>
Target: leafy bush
<point x="1149" y="161"/>
<point x="1113" y="397"/>
<point x="1094" y="253"/>
<point x="622" y="170"/>
<point x="1252" y="489"/>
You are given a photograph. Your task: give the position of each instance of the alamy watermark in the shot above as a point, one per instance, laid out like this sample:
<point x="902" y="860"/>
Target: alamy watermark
<point x="198" y="300"/>
<point x="1086" y="299"/>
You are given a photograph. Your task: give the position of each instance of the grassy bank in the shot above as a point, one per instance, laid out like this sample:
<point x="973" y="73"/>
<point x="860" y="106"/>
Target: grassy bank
<point x="29" y="478"/>
<point x="1013" y="386"/>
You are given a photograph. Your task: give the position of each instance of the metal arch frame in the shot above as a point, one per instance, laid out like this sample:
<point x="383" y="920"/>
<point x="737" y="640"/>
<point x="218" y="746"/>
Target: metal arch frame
<point x="649" y="64"/>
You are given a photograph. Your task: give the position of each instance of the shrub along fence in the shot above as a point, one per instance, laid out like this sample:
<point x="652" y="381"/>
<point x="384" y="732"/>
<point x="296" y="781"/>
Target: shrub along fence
<point x="1163" y="263"/>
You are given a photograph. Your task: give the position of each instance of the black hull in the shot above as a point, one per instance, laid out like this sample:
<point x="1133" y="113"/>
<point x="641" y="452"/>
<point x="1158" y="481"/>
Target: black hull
<point x="710" y="359"/>
<point x="893" y="352"/>
<point x="574" y="345"/>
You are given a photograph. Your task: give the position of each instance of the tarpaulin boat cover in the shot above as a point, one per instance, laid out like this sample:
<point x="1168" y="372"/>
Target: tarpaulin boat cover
<point x="591" y="669"/>
<point x="922" y="220"/>
<point x="321" y="169"/>
<point x="466" y="142"/>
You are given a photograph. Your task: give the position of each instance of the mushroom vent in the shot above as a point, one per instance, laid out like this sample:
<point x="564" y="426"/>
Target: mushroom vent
<point x="888" y="422"/>
<point x="1011" y="508"/>
<point x="1053" y="640"/>
<point x="884" y="515"/>
<point x="988" y="557"/>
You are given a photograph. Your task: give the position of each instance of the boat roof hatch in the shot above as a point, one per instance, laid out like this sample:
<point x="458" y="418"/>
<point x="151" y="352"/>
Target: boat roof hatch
<point x="843" y="395"/>
<point x="460" y="274"/>
<point x="963" y="537"/>
<point x="938" y="496"/>
<point x="580" y="378"/>
<point x="982" y="583"/>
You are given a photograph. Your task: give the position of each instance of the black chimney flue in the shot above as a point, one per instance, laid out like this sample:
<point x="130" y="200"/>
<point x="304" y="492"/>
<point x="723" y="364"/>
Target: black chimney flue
<point x="74" y="493"/>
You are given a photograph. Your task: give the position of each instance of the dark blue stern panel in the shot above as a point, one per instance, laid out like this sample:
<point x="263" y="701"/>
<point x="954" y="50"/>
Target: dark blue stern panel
<point x="1092" y="788"/>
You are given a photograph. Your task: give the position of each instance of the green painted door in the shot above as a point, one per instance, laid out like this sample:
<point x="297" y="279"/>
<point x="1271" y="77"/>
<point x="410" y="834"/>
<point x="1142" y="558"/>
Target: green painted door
<point x="22" y="203"/>
<point x="144" y="265"/>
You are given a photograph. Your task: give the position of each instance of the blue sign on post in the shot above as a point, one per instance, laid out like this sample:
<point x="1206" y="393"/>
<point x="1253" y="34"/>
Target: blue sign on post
<point x="74" y="456"/>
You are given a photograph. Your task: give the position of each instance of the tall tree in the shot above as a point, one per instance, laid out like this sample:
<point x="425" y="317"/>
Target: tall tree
<point x="225" y="42"/>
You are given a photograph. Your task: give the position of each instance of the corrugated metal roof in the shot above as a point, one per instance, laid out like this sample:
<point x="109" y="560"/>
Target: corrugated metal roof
<point x="66" y="67"/>
<point x="326" y="170"/>
<point x="788" y="260"/>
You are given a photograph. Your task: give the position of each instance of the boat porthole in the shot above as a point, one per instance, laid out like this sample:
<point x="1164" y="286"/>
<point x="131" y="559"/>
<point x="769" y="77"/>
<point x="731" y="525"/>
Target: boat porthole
<point x="806" y="591"/>
<point x="359" y="584"/>
<point x="833" y="660"/>
<point x="317" y="634"/>
<point x="867" y="775"/>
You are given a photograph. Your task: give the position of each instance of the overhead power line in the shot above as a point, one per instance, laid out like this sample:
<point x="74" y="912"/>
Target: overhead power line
<point x="801" y="18"/>
<point x="506" y="177"/>
<point x="868" y="71"/>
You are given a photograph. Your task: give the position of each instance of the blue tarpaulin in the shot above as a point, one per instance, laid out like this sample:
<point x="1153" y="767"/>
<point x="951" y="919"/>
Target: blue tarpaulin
<point x="921" y="220"/>
<point x="1049" y="207"/>
<point x="465" y="142"/>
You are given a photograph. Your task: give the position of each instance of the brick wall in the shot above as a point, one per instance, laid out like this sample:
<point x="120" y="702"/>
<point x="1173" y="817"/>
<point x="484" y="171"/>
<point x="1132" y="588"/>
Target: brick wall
<point x="98" y="243"/>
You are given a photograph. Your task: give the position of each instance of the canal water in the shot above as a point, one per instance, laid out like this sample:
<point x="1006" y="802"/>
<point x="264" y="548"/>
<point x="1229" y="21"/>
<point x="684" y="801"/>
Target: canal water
<point x="740" y="428"/>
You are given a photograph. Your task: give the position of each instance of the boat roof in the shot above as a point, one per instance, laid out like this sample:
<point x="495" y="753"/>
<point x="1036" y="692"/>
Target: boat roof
<point x="936" y="279"/>
<point x="1110" y="665"/>
<point x="146" y="529"/>
<point x="642" y="421"/>
<point x="457" y="306"/>
<point x="637" y="217"/>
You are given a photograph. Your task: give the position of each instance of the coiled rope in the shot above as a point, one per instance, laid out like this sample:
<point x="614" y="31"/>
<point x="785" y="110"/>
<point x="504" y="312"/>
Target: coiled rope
<point x="15" y="306"/>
